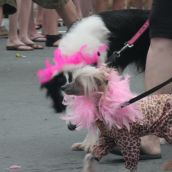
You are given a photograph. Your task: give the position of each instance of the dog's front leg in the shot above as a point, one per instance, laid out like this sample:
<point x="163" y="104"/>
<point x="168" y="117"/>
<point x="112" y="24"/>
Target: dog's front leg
<point x="89" y="163"/>
<point x="88" y="143"/>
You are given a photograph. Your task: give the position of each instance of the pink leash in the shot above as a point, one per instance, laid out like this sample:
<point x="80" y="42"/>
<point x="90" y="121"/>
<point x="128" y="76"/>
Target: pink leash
<point x="132" y="41"/>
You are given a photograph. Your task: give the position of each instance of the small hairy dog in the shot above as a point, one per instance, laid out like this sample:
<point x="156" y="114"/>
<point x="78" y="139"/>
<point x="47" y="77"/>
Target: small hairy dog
<point x="113" y="28"/>
<point x="95" y="98"/>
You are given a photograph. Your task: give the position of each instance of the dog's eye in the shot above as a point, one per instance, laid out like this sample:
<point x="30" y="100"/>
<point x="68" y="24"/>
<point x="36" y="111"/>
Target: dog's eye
<point x="98" y="53"/>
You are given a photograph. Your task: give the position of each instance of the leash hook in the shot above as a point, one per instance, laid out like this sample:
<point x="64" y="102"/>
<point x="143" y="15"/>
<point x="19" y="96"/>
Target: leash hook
<point x="117" y="54"/>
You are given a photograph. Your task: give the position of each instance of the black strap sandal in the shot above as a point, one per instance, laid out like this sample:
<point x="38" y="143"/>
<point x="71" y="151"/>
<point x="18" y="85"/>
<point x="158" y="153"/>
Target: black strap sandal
<point x="51" y="39"/>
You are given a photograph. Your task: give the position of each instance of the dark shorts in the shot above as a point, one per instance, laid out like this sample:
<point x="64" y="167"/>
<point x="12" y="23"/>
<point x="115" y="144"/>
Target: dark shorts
<point x="161" y="19"/>
<point x="51" y="4"/>
<point x="9" y="6"/>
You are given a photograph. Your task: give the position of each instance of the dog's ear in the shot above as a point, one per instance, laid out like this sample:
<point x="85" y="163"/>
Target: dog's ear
<point x="100" y="80"/>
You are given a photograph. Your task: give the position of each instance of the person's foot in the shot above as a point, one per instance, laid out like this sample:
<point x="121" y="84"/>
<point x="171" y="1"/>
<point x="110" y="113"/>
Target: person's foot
<point x="16" y="44"/>
<point x="30" y="43"/>
<point x="37" y="37"/>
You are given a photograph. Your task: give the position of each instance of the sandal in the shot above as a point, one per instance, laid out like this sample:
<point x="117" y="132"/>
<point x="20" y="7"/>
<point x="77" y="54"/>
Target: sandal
<point x="36" y="46"/>
<point x="51" y="39"/>
<point x="20" y="47"/>
<point x="143" y="155"/>
<point x="38" y="38"/>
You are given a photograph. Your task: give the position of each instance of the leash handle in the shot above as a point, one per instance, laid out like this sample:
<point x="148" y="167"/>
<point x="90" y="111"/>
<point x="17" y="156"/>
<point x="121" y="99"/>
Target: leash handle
<point x="141" y="96"/>
<point x="139" y="33"/>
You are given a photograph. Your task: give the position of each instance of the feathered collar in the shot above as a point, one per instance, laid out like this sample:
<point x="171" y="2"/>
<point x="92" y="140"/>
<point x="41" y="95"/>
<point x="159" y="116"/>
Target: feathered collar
<point x="105" y="106"/>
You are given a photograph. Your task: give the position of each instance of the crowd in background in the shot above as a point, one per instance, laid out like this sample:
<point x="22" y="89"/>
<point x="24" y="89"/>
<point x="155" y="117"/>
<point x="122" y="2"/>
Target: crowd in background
<point x="31" y="22"/>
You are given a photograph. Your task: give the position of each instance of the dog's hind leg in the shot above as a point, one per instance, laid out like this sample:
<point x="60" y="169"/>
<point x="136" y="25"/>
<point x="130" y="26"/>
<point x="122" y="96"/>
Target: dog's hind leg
<point x="89" y="163"/>
<point x="88" y="143"/>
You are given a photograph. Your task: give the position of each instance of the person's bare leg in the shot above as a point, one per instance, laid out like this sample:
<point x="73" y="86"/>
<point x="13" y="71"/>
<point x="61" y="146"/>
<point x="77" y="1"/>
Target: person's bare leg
<point x="24" y="18"/>
<point x="86" y="7"/>
<point x="119" y="4"/>
<point x="101" y="5"/>
<point x="1" y="15"/>
<point x="39" y="15"/>
<point x="158" y="69"/>
<point x="135" y="4"/>
<point x="68" y="13"/>
<point x="148" y="4"/>
<point x="32" y="32"/>
<point x="50" y="26"/>
<point x="78" y="7"/>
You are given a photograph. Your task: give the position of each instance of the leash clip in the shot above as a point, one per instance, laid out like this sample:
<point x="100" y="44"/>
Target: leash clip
<point x="118" y="53"/>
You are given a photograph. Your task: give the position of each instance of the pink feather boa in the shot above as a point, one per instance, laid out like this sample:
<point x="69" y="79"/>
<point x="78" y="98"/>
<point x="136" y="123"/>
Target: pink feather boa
<point x="85" y="111"/>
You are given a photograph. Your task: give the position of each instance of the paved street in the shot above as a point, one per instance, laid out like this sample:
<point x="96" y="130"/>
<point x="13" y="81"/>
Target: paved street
<point x="31" y="134"/>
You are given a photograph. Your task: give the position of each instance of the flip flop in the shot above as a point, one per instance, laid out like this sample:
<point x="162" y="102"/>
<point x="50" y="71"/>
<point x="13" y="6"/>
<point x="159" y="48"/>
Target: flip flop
<point x="38" y="38"/>
<point x="143" y="155"/>
<point x="19" y="47"/>
<point x="36" y="46"/>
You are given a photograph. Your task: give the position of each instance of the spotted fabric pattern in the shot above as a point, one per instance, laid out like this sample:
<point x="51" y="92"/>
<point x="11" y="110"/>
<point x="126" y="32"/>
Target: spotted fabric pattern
<point x="157" y="120"/>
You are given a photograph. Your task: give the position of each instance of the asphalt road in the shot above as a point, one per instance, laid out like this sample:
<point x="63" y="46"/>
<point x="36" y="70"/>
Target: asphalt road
<point x="31" y="134"/>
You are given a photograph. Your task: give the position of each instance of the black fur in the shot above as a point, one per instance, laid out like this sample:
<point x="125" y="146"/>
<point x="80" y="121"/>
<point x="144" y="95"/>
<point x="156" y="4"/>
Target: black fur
<point x="122" y="25"/>
<point x="53" y="88"/>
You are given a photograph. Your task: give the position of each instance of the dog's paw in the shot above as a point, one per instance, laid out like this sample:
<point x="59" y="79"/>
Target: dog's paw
<point x="82" y="147"/>
<point x="77" y="147"/>
<point x="89" y="157"/>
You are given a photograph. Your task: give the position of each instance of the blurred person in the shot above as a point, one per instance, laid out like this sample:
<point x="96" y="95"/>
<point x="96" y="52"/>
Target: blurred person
<point x="65" y="8"/>
<point x="159" y="59"/>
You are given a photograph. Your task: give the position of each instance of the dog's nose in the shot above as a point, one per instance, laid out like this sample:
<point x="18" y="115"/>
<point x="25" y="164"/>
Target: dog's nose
<point x="71" y="127"/>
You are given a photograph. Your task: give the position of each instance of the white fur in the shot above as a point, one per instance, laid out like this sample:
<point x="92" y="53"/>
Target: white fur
<point x="88" y="81"/>
<point x="90" y="31"/>
<point x="89" y="163"/>
<point x="88" y="143"/>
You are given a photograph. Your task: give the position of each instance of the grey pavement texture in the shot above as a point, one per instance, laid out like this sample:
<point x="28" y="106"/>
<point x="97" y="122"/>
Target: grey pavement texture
<point x="31" y="134"/>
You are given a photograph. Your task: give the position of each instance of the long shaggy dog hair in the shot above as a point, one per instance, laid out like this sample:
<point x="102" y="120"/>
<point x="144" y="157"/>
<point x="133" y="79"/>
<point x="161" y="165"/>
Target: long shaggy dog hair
<point x="95" y="98"/>
<point x="113" y="28"/>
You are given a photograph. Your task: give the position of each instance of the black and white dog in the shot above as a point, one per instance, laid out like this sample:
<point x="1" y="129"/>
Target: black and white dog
<point x="113" y="28"/>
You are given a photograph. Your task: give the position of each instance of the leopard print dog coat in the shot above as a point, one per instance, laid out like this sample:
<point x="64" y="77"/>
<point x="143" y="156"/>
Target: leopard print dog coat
<point x="157" y="113"/>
